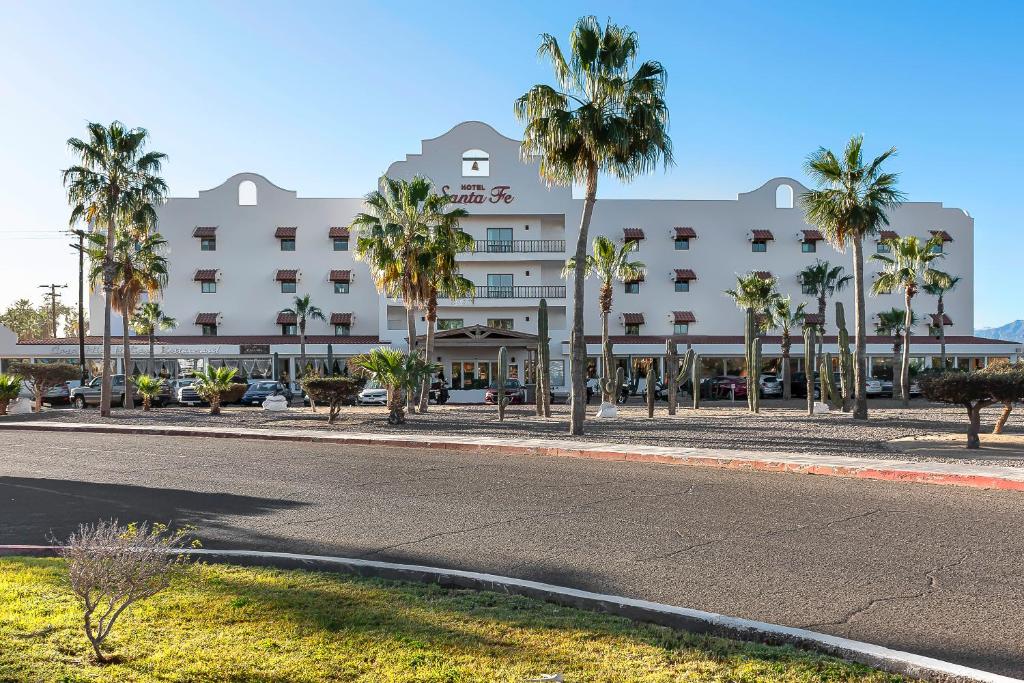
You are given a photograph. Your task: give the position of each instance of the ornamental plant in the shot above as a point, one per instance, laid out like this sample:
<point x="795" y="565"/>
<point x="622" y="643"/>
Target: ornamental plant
<point x="333" y="392"/>
<point x="41" y="377"/>
<point x="148" y="388"/>
<point x="10" y="387"/>
<point x="975" y="391"/>
<point x="213" y="384"/>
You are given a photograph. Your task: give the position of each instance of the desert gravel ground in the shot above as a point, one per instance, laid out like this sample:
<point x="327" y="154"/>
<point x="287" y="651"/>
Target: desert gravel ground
<point x="781" y="427"/>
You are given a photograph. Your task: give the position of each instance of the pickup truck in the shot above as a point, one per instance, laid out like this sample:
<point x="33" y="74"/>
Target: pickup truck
<point x="89" y="394"/>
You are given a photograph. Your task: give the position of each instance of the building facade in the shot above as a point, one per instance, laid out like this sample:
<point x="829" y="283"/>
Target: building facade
<point x="240" y="252"/>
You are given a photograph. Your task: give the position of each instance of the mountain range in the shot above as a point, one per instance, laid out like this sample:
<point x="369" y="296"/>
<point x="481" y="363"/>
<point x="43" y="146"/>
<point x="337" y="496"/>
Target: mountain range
<point x="1010" y="331"/>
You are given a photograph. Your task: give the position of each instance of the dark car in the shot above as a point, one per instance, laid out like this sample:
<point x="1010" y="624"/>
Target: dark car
<point x="258" y="392"/>
<point x="60" y="395"/>
<point x="728" y="386"/>
<point x="515" y="392"/>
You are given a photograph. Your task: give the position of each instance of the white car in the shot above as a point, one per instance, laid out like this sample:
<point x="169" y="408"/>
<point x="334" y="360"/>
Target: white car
<point x="373" y="394"/>
<point x="873" y="387"/>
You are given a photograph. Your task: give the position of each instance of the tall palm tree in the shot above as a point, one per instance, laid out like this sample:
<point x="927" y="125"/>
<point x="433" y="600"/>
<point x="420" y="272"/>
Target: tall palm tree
<point x="609" y="264"/>
<point x="139" y="267"/>
<point x="851" y="203"/>
<point x="893" y="323"/>
<point x="783" y="316"/>
<point x="149" y="318"/>
<point x="823" y="280"/>
<point x="304" y="310"/>
<point x="755" y="291"/>
<point x="604" y="116"/>
<point x="444" y="243"/>
<point x="392" y="237"/>
<point x="940" y="289"/>
<point x="115" y="178"/>
<point x="907" y="267"/>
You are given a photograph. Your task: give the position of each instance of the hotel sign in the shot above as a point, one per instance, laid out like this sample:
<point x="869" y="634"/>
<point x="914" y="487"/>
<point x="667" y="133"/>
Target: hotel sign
<point x="471" y="193"/>
<point x="254" y="349"/>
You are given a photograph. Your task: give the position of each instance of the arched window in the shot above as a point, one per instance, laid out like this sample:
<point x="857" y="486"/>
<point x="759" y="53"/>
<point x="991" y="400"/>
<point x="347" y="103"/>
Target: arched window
<point x="783" y="197"/>
<point x="476" y="162"/>
<point x="247" y="193"/>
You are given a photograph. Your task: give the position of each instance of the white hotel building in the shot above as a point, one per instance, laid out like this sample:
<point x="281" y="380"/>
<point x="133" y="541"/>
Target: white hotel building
<point x="241" y="251"/>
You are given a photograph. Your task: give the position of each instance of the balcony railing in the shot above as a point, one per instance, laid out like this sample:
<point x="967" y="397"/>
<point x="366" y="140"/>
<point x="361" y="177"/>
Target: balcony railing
<point x="524" y="292"/>
<point x="516" y="246"/>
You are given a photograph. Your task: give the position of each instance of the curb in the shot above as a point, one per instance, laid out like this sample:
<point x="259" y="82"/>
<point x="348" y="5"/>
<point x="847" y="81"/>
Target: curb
<point x="906" y="471"/>
<point x="691" y="620"/>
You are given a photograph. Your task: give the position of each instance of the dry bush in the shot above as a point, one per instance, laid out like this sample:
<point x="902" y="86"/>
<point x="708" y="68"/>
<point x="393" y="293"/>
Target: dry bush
<point x="110" y="567"/>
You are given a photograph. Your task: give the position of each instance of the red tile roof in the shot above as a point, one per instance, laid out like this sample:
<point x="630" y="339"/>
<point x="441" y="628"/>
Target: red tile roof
<point x="887" y="235"/>
<point x="206" y="318"/>
<point x="205" y="231"/>
<point x="285" y="233"/>
<point x="686" y="232"/>
<point x="287" y="275"/>
<point x="341" y="318"/>
<point x="286" y="318"/>
<point x="763" y="274"/>
<point x="683" y="317"/>
<point x="685" y="274"/>
<point x="812" y="235"/>
<point x="638" y="278"/>
<point x="942" y="234"/>
<point x="632" y="318"/>
<point x="337" y="232"/>
<point x="632" y="234"/>
<point x="762" y="235"/>
<point x="206" y="275"/>
<point x="946" y="322"/>
<point x="179" y="339"/>
<point x="814" y="319"/>
<point x="340" y="276"/>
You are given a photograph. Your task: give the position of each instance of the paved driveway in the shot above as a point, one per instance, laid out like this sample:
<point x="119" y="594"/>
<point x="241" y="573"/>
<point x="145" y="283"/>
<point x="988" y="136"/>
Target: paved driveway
<point x="929" y="569"/>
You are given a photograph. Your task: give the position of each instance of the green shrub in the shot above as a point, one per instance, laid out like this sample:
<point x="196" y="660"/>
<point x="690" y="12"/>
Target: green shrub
<point x="42" y="377"/>
<point x="974" y="391"/>
<point x="10" y="387"/>
<point x="333" y="392"/>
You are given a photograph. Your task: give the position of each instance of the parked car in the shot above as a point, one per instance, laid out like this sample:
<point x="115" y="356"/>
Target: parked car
<point x="515" y="392"/>
<point x="873" y="387"/>
<point x="60" y="395"/>
<point x="799" y="385"/>
<point x="257" y="392"/>
<point x="89" y="394"/>
<point x="184" y="393"/>
<point x="728" y="386"/>
<point x="771" y="386"/>
<point x="373" y="394"/>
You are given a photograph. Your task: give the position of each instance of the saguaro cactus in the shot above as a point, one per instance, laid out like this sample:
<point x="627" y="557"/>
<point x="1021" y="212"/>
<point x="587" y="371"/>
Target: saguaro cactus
<point x="829" y="391"/>
<point x="845" y="358"/>
<point x="502" y="381"/>
<point x="755" y="374"/>
<point x="696" y="370"/>
<point x="652" y="384"/>
<point x="809" y="341"/>
<point x="671" y="374"/>
<point x="620" y="379"/>
<point x="543" y="361"/>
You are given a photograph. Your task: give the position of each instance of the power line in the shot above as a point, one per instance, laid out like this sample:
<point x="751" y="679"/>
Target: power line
<point x="53" y="303"/>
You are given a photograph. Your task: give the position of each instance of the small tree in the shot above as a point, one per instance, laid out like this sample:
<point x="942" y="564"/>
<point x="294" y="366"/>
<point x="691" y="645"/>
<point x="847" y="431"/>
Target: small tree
<point x="213" y="384"/>
<point x="975" y="391"/>
<point x="110" y="567"/>
<point x="1004" y="367"/>
<point x="10" y="387"/>
<point x="149" y="388"/>
<point x="334" y="392"/>
<point x="396" y="370"/>
<point x="41" y="377"/>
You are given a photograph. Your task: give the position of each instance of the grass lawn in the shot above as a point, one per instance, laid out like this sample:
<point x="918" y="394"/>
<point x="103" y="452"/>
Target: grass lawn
<point x="239" y="624"/>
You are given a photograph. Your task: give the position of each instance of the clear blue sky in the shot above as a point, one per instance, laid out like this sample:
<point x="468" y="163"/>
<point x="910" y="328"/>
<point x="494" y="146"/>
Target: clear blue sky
<point x="321" y="97"/>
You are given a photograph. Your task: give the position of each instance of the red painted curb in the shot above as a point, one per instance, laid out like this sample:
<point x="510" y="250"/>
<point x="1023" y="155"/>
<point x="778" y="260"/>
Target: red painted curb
<point x="882" y="474"/>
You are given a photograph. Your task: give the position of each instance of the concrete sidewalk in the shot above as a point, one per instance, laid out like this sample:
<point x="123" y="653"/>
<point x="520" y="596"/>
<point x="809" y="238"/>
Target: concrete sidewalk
<point x="990" y="477"/>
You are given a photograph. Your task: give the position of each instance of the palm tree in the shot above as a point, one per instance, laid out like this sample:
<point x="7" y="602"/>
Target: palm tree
<point x="850" y="204"/>
<point x="115" y="178"/>
<point x="149" y="318"/>
<point x="823" y="280"/>
<point x="893" y="323"/>
<point x="907" y="268"/>
<point x="398" y="371"/>
<point x="148" y="388"/>
<point x="604" y="116"/>
<point x="212" y="383"/>
<point x="609" y="264"/>
<point x="940" y="289"/>
<point x="758" y="292"/>
<point x="392" y="237"/>
<point x="303" y="310"/>
<point x="782" y="315"/>
<point x="445" y="241"/>
<point x="139" y="267"/>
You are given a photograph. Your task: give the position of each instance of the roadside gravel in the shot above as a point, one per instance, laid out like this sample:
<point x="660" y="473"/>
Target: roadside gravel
<point x="779" y="428"/>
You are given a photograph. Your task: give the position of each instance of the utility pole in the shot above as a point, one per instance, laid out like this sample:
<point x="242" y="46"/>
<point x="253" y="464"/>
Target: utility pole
<point x="80" y="247"/>
<point x="53" y="295"/>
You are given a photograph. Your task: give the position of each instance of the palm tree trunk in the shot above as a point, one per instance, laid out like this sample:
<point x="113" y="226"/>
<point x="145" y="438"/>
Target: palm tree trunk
<point x="106" y="384"/>
<point x="129" y="400"/>
<point x="578" y="350"/>
<point x="905" y="365"/>
<point x="897" y="372"/>
<point x="81" y="306"/>
<point x="821" y="312"/>
<point x="607" y="392"/>
<point x="152" y="355"/>
<point x="302" y="349"/>
<point x="787" y="342"/>
<point x="410" y="319"/>
<point x="942" y="333"/>
<point x="429" y="350"/>
<point x="860" y="409"/>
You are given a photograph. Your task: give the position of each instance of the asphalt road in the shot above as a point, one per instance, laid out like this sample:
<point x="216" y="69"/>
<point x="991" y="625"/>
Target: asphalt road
<point x="928" y="569"/>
